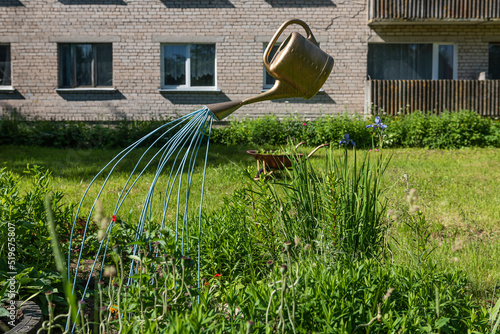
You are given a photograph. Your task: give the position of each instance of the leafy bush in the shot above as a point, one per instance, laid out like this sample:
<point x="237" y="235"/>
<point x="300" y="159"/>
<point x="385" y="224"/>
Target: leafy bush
<point x="26" y="212"/>
<point x="332" y="128"/>
<point x="15" y="130"/>
<point x="24" y="238"/>
<point x="407" y="131"/>
<point x="447" y="130"/>
<point x="264" y="131"/>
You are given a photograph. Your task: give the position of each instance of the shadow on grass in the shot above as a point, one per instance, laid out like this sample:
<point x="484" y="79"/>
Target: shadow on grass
<point x="83" y="165"/>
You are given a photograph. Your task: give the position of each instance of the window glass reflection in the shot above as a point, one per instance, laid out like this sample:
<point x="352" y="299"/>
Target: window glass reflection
<point x="202" y="57"/>
<point x="174" y="64"/>
<point x="5" y="78"/>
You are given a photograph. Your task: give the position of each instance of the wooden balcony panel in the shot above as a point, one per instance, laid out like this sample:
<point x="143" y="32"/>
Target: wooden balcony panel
<point x="407" y="96"/>
<point x="433" y="11"/>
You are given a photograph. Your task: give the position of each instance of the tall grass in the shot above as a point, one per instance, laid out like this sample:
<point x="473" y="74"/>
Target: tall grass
<point x="340" y="204"/>
<point x="359" y="205"/>
<point x="298" y="200"/>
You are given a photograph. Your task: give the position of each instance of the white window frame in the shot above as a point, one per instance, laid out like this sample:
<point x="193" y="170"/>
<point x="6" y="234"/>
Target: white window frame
<point x="187" y="86"/>
<point x="435" y="60"/>
<point x="435" y="57"/>
<point x="265" y="85"/>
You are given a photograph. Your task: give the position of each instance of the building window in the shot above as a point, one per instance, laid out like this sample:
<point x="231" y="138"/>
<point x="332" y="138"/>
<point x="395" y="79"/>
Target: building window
<point x="411" y="61"/>
<point x="5" y="77"/>
<point x="188" y="66"/>
<point x="85" y="65"/>
<point x="268" y="79"/>
<point x="494" y="61"/>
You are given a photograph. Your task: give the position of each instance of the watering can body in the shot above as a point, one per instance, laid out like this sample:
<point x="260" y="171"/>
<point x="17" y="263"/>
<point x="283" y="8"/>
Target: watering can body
<point x="299" y="62"/>
<point x="299" y="66"/>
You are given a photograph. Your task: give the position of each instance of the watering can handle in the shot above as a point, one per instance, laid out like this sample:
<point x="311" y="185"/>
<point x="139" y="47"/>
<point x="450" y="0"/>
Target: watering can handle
<point x="304" y="25"/>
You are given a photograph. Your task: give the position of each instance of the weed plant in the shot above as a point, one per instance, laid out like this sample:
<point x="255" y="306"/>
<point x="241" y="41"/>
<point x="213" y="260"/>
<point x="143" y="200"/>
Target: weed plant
<point x="34" y="262"/>
<point x="27" y="213"/>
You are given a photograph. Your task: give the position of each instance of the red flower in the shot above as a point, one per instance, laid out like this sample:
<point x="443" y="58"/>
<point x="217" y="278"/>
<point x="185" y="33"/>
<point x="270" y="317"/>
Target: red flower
<point x="114" y="218"/>
<point x="218" y="275"/>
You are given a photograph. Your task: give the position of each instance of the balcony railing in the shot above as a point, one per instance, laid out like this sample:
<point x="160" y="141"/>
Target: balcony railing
<point x="406" y="96"/>
<point x="433" y="11"/>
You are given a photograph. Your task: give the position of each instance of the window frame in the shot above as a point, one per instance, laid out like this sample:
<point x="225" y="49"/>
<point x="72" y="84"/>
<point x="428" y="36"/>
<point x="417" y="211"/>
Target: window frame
<point x="265" y="85"/>
<point x="8" y="87"/>
<point x="489" y="60"/>
<point x="187" y="86"/>
<point x="434" y="60"/>
<point x="94" y="71"/>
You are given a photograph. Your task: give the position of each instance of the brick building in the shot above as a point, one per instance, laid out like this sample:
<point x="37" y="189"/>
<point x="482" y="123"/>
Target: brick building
<point x="108" y="59"/>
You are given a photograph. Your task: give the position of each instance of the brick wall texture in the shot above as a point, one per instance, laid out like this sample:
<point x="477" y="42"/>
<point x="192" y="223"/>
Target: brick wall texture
<point x="239" y="28"/>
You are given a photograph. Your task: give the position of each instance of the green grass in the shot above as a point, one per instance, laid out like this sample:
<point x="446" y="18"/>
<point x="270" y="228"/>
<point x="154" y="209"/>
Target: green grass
<point x="458" y="192"/>
<point x="458" y="188"/>
<point x="72" y="170"/>
<point x="459" y="195"/>
<point x="415" y="283"/>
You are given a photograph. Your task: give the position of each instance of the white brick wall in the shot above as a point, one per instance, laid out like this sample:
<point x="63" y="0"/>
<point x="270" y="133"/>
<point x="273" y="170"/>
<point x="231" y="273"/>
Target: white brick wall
<point x="33" y="27"/>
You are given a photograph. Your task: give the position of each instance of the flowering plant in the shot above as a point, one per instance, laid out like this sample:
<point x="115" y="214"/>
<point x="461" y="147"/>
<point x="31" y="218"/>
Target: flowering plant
<point x="347" y="140"/>
<point x="380" y="126"/>
<point x="377" y="125"/>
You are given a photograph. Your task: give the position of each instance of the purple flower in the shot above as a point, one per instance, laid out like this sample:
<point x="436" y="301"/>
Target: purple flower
<point x="377" y="124"/>
<point x="304" y="124"/>
<point x="346" y="140"/>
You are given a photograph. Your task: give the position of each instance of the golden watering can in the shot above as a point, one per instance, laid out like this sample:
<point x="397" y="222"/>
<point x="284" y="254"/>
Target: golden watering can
<point x="299" y="66"/>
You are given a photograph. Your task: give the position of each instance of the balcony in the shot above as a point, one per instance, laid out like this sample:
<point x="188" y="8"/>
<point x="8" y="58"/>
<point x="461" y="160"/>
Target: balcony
<point x="383" y="12"/>
<point x="406" y="96"/>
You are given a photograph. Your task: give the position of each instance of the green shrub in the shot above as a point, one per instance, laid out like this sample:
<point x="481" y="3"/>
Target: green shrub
<point x="330" y="129"/>
<point x="456" y="130"/>
<point x="447" y="130"/>
<point x="407" y="131"/>
<point x="24" y="237"/>
<point x="69" y="134"/>
<point x="26" y="213"/>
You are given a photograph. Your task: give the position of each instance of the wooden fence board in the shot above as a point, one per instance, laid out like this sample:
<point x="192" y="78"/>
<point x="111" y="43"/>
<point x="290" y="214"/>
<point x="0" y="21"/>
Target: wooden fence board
<point x="434" y="9"/>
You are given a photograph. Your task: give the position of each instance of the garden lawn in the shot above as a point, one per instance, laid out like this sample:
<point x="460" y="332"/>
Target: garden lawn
<point x="459" y="191"/>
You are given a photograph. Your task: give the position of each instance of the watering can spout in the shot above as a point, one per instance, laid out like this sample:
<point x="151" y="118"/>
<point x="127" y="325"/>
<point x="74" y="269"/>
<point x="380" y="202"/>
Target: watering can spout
<point x="299" y="67"/>
<point x="280" y="90"/>
<point x="224" y="109"/>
